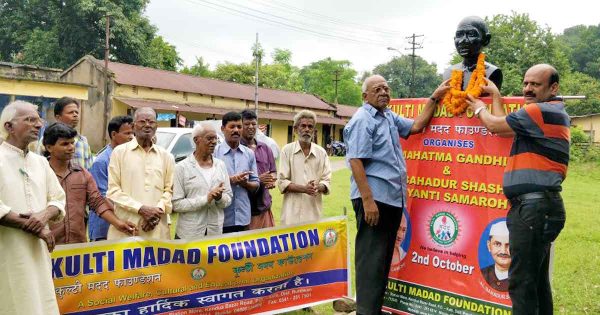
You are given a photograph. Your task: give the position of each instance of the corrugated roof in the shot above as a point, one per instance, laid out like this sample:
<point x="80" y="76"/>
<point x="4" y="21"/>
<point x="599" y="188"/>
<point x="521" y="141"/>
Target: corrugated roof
<point x="170" y="80"/>
<point x="585" y="116"/>
<point x="169" y="106"/>
<point x="346" y="110"/>
<point x="203" y="109"/>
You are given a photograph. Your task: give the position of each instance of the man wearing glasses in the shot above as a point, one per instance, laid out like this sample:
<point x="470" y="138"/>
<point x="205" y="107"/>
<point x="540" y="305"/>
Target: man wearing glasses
<point x="30" y="198"/>
<point x="140" y="180"/>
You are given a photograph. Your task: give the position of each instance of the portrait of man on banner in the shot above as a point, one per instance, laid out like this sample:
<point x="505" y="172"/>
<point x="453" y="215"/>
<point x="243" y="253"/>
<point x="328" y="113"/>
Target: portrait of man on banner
<point x="402" y="243"/>
<point x="494" y="255"/>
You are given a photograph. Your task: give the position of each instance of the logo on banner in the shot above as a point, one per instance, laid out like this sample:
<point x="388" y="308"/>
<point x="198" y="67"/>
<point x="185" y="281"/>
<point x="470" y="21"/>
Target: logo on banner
<point x="443" y="228"/>
<point x="198" y="273"/>
<point x="330" y="237"/>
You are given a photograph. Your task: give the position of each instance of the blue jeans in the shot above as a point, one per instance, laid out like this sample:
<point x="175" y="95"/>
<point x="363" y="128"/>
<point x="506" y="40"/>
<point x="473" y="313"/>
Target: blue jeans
<point x="532" y="224"/>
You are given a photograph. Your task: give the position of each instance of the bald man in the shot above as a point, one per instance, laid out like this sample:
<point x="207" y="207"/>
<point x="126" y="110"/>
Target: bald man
<point x="378" y="184"/>
<point x="532" y="182"/>
<point x="140" y="180"/>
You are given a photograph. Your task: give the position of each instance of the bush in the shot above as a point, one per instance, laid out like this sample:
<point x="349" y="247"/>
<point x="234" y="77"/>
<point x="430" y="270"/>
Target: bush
<point x="585" y="152"/>
<point x="579" y="136"/>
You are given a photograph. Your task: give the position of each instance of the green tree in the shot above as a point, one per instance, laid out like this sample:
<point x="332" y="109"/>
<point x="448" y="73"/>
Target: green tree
<point x="577" y="83"/>
<point x="57" y="33"/>
<point x="200" y="69"/>
<point x="398" y="72"/>
<point x="318" y="78"/>
<point x="240" y="73"/>
<point x="280" y="76"/>
<point x="584" y="48"/>
<point x="282" y="56"/>
<point x="161" y="55"/>
<point x="518" y="43"/>
<point x="41" y="46"/>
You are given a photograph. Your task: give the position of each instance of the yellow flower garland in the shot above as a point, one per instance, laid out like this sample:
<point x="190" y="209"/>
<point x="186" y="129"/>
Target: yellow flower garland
<point x="455" y="98"/>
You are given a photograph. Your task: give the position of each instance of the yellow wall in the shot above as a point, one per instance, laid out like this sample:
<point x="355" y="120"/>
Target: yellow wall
<point x="590" y="124"/>
<point x="46" y="89"/>
<point x="229" y="103"/>
<point x="279" y="130"/>
<point x="197" y="98"/>
<point x="118" y="108"/>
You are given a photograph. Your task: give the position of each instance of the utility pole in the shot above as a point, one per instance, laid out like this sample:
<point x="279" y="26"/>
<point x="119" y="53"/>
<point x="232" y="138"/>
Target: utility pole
<point x="256" y="76"/>
<point x="107" y="109"/>
<point x="415" y="46"/>
<point x="335" y="81"/>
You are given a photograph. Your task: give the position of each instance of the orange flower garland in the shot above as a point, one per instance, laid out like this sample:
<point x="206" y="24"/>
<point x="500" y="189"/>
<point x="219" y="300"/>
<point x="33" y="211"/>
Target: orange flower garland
<point x="455" y="98"/>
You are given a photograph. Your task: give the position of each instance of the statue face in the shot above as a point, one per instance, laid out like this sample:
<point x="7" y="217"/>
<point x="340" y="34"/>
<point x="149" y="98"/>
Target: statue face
<point x="468" y="41"/>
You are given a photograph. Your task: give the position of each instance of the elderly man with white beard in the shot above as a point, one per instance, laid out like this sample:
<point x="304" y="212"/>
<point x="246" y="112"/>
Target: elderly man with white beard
<point x="304" y="173"/>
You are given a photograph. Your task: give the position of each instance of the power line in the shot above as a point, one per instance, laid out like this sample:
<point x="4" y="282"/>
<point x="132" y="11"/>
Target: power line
<point x="320" y="17"/>
<point x="321" y="34"/>
<point x="319" y="27"/>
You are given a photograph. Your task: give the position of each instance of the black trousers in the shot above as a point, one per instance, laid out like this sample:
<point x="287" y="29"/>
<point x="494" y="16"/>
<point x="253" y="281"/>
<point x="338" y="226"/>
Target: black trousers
<point x="532" y="224"/>
<point x="373" y="255"/>
<point x="235" y="228"/>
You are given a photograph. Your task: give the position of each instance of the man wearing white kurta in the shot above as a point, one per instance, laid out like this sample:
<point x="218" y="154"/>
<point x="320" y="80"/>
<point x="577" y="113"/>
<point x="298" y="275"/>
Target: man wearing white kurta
<point x="30" y="197"/>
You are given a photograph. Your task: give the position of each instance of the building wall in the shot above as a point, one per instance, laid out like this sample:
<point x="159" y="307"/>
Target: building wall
<point x="28" y="72"/>
<point x="40" y="93"/>
<point x="87" y="72"/>
<point x="590" y="124"/>
<point x="279" y="130"/>
<point x="92" y="121"/>
<point x="43" y="89"/>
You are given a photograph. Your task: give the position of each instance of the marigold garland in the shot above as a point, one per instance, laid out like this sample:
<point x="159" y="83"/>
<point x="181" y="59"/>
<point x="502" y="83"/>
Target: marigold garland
<point x="455" y="99"/>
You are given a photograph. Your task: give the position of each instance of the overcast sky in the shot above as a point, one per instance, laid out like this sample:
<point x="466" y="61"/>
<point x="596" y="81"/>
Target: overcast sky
<point x="358" y="31"/>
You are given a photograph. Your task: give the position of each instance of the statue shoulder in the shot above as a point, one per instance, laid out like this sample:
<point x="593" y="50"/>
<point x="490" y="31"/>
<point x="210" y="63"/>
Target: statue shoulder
<point x="490" y="68"/>
<point x="494" y="73"/>
<point x="448" y="71"/>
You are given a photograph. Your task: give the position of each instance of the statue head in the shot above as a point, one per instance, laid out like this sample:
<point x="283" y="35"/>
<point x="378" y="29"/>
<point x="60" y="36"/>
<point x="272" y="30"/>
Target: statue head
<point x="471" y="36"/>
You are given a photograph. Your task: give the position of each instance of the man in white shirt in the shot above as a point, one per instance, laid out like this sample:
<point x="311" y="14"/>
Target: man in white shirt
<point x="201" y="188"/>
<point x="30" y="198"/>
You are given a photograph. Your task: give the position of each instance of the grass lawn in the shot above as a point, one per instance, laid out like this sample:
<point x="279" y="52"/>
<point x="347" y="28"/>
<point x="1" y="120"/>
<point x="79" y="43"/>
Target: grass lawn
<point x="576" y="277"/>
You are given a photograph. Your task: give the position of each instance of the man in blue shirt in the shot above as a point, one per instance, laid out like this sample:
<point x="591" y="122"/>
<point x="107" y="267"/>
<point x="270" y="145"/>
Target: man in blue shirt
<point x="241" y="166"/>
<point x="120" y="130"/>
<point x="378" y="184"/>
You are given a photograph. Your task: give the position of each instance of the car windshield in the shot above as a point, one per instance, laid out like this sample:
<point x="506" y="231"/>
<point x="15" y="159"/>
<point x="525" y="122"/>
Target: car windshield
<point x="164" y="138"/>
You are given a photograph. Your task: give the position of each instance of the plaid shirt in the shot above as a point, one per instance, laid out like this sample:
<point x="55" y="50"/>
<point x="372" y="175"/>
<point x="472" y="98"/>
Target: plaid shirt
<point x="83" y="153"/>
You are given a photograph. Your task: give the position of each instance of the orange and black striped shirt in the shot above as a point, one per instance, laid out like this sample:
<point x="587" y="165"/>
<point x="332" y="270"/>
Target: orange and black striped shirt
<point x="540" y="151"/>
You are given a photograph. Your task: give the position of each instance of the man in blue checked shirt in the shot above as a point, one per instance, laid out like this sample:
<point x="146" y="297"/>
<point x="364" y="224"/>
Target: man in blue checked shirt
<point x="378" y="184"/>
<point x="120" y="130"/>
<point x="66" y="111"/>
<point x="241" y="167"/>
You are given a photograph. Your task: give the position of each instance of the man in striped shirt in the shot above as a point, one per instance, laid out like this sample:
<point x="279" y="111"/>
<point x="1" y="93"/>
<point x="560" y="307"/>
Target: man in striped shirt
<point x="533" y="176"/>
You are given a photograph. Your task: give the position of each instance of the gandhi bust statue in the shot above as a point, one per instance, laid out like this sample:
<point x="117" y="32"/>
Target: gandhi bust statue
<point x="471" y="36"/>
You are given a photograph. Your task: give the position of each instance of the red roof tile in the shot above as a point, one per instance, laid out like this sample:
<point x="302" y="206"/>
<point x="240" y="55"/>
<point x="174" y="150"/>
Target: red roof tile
<point x="170" y="80"/>
<point x="346" y="110"/>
